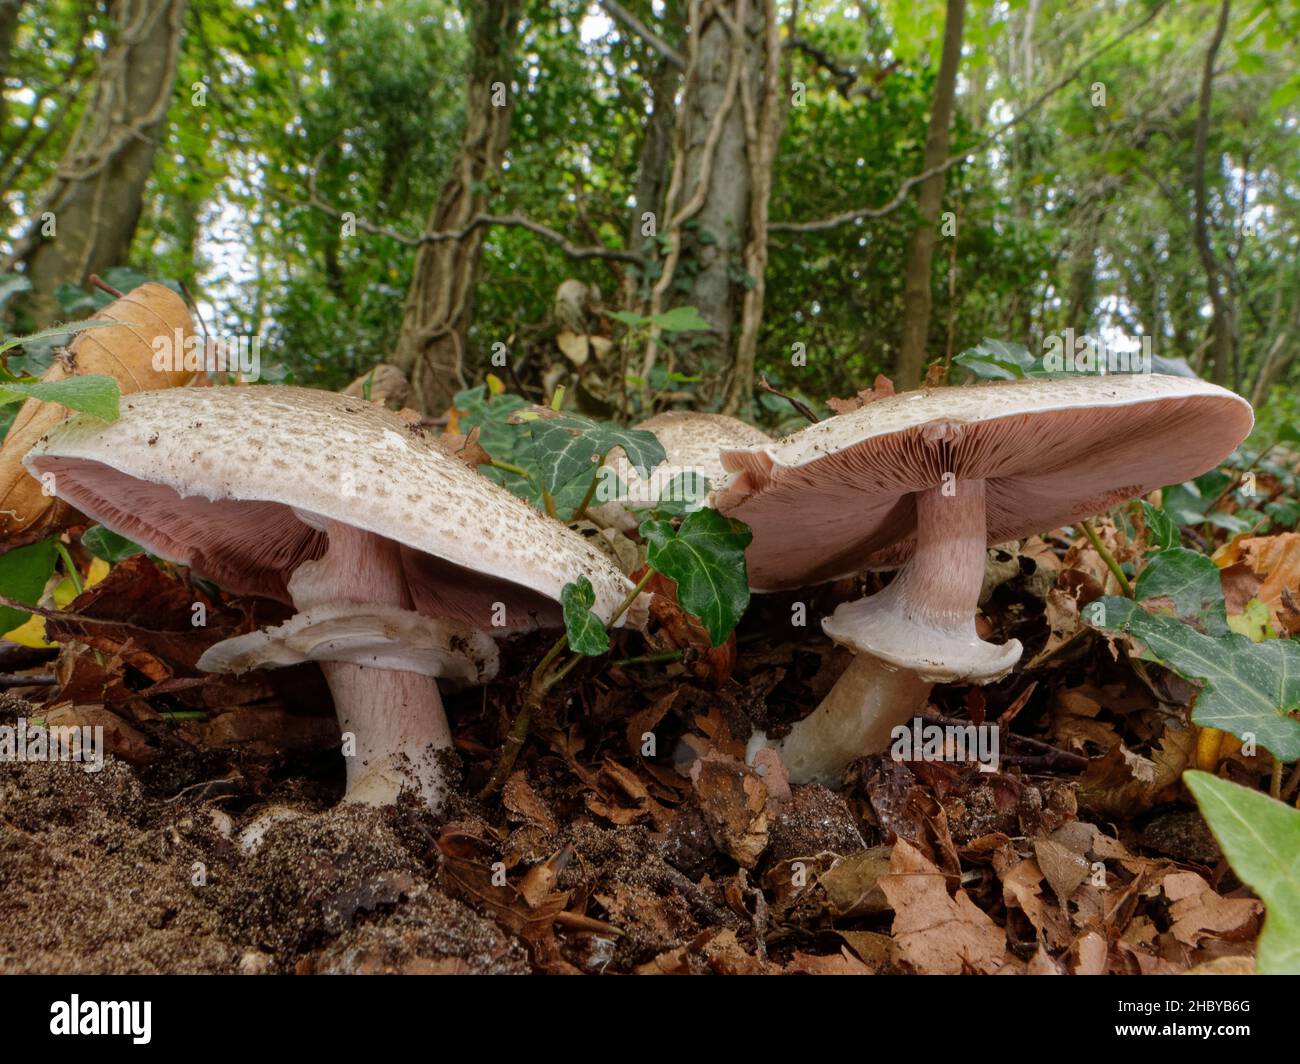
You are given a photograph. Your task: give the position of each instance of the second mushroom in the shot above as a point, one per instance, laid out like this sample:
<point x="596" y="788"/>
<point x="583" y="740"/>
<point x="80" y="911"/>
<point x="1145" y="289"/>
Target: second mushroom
<point x="923" y="482"/>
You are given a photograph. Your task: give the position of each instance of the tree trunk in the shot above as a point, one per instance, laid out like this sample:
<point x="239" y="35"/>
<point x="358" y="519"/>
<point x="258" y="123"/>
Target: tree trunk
<point x="717" y="243"/>
<point x="1224" y="319"/>
<point x="439" y="304"/>
<point x="917" y="279"/>
<point x="764" y="120"/>
<point x="711" y="182"/>
<point x="94" y="199"/>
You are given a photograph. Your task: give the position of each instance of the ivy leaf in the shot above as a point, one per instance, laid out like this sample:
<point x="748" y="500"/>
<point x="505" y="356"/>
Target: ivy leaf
<point x="491" y="414"/>
<point x="999" y="360"/>
<point x="94" y="393"/>
<point x="23" y="575"/>
<point x="586" y="632"/>
<point x="1190" y="583"/>
<point x="570" y="447"/>
<point x="706" y="557"/>
<point x="1261" y="840"/>
<point x="1249" y="688"/>
<point x="106" y="544"/>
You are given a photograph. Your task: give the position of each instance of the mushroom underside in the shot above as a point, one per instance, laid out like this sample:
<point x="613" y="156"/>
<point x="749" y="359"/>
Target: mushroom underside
<point x="384" y="621"/>
<point x="919" y="631"/>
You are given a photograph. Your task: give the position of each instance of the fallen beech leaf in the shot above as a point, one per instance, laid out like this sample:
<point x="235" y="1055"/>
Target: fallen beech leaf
<point x="1020" y="887"/>
<point x="1064" y="868"/>
<point x="124" y="352"/>
<point x="935" y="933"/>
<point x="1199" y="911"/>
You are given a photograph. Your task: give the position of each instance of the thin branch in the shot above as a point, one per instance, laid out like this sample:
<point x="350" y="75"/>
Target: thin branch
<point x="516" y="221"/>
<point x="643" y="31"/>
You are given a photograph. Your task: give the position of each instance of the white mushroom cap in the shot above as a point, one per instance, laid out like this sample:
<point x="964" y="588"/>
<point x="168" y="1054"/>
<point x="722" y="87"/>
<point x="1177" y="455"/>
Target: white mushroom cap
<point x="837" y="497"/>
<point x="693" y="442"/>
<point x="237" y="483"/>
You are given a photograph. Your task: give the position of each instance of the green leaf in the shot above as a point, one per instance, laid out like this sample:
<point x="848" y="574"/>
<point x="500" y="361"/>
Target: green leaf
<point x="706" y="557"/>
<point x="1191" y="584"/>
<point x="1162" y="533"/>
<point x="586" y="632"/>
<point x="92" y="394"/>
<point x="58" y="330"/>
<point x="571" y="447"/>
<point x="1250" y="688"/>
<point x="23" y="575"/>
<point x="680" y="319"/>
<point x="997" y="360"/>
<point x="106" y="544"/>
<point x="1260" y="838"/>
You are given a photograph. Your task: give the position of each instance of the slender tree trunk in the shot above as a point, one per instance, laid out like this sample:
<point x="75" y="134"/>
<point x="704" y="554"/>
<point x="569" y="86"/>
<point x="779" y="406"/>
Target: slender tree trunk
<point x="717" y="244"/>
<point x="89" y="213"/>
<point x="1224" y="320"/>
<point x="439" y="304"/>
<point x="920" y="255"/>
<point x="711" y="181"/>
<point x="764" y="121"/>
<point x="653" y="165"/>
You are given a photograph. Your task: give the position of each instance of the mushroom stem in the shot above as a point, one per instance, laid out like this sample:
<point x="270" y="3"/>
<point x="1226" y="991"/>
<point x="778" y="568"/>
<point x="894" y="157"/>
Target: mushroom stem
<point x="919" y="630"/>
<point x="855" y="718"/>
<point x="398" y="727"/>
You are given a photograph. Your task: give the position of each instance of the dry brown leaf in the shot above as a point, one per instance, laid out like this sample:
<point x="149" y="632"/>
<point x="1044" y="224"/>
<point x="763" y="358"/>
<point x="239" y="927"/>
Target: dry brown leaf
<point x="1199" y="911"/>
<point x="1064" y="868"/>
<point x="1020" y="887"/>
<point x="842" y="963"/>
<point x="934" y="932"/>
<point x="124" y="352"/>
<point x="733" y="799"/>
<point x="1275" y="560"/>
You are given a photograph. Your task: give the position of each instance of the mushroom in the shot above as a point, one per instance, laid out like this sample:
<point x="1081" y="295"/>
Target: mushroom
<point x="693" y="443"/>
<point x="927" y="480"/>
<point x="401" y="562"/>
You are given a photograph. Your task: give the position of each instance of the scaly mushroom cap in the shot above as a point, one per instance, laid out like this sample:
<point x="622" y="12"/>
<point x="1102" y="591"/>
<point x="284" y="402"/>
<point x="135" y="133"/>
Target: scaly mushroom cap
<point x="837" y="497"/>
<point x="693" y="442"/>
<point x="239" y="482"/>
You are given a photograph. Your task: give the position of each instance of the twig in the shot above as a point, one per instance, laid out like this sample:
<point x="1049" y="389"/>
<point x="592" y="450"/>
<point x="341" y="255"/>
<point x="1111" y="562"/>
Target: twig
<point x="643" y="31"/>
<point x="9" y="679"/>
<point x="95" y="281"/>
<point x="803" y="408"/>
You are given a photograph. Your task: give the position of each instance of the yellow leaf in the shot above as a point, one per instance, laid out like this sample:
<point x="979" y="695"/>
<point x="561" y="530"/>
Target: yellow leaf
<point x="30" y="634"/>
